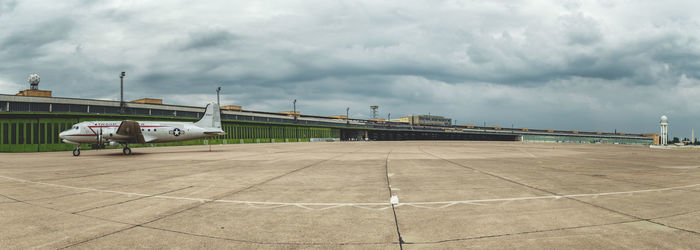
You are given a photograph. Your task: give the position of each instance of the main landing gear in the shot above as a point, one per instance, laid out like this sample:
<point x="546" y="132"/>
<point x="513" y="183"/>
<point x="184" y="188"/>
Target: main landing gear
<point x="127" y="150"/>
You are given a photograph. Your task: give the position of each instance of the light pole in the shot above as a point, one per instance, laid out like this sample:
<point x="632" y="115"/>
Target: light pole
<point x="218" y="102"/>
<point x="347" y="115"/>
<point x="295" y="110"/>
<point x="121" y="91"/>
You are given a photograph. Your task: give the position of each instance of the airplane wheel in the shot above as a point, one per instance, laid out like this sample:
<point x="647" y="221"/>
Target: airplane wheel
<point x="127" y="151"/>
<point x="76" y="152"/>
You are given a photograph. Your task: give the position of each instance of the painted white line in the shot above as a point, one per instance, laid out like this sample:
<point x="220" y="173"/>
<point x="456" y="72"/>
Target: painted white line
<point x="552" y="196"/>
<point x="363" y="205"/>
<point x="530" y="154"/>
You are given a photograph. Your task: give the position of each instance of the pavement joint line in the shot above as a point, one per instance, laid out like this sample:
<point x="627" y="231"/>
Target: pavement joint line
<point x="356" y="204"/>
<point x="675" y="215"/>
<point x="107" y="173"/>
<point x="169" y="165"/>
<point x="520" y="233"/>
<point x="131" y="225"/>
<point x="126" y="201"/>
<point x="391" y="193"/>
<point x="201" y="203"/>
<point x="271" y="243"/>
<point x="61" y="211"/>
<point x="573" y="198"/>
<point x="352" y="243"/>
<point x="136" y="184"/>
<point x="602" y="177"/>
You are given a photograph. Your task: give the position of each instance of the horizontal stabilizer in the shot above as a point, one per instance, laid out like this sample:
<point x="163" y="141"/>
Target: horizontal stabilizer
<point x="215" y="133"/>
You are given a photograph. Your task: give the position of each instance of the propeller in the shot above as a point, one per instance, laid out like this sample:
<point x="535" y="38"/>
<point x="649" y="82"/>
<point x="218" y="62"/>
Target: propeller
<point x="99" y="137"/>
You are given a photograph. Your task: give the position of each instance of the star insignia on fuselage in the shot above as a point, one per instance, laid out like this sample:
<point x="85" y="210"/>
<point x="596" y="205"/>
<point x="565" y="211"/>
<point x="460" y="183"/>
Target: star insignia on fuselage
<point x="176" y="132"/>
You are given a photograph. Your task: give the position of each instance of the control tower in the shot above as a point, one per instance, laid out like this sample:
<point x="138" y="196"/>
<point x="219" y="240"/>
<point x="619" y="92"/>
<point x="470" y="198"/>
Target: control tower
<point x="664" y="130"/>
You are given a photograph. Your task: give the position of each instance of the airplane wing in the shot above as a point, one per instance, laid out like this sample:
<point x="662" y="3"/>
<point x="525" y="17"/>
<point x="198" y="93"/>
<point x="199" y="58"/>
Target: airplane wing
<point x="132" y="130"/>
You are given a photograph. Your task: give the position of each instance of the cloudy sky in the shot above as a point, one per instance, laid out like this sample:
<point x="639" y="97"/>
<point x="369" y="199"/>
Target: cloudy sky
<point x="585" y="65"/>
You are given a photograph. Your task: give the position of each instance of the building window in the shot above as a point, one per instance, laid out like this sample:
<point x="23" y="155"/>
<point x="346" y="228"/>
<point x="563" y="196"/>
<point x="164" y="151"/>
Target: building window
<point x="39" y="107"/>
<point x="35" y="132"/>
<point x="158" y="112"/>
<point x="54" y="135"/>
<point x="97" y="109"/>
<point x="60" y="108"/>
<point x="19" y="107"/>
<point x="111" y="110"/>
<point x="20" y="135"/>
<point x="5" y="136"/>
<point x="42" y="133"/>
<point x="78" y="108"/>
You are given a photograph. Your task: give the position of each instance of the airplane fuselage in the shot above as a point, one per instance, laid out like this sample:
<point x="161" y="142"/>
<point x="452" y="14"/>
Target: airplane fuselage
<point x="104" y="132"/>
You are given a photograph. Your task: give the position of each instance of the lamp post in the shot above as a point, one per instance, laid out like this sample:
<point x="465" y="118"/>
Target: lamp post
<point x="121" y="91"/>
<point x="218" y="102"/>
<point x="295" y="110"/>
<point x="347" y="116"/>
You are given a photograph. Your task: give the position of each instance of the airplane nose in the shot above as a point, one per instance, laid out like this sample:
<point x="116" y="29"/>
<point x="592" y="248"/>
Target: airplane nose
<point x="62" y="135"/>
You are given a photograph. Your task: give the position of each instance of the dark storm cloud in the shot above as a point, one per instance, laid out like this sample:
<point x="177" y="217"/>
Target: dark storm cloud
<point x="29" y="41"/>
<point x="587" y="65"/>
<point x="208" y="39"/>
<point x="7" y="6"/>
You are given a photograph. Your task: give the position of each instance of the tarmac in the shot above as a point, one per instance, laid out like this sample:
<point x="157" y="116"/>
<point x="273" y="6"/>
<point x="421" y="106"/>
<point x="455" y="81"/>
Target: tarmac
<point x="328" y="195"/>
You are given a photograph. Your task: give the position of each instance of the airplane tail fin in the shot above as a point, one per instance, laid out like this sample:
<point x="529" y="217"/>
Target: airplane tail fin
<point x="211" y="117"/>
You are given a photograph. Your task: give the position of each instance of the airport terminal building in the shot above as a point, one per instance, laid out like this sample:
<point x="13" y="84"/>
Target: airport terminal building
<point x="31" y="120"/>
<point x="32" y="123"/>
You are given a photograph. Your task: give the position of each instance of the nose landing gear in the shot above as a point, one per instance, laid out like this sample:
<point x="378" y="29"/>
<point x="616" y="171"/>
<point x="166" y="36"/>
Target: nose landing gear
<point x="76" y="152"/>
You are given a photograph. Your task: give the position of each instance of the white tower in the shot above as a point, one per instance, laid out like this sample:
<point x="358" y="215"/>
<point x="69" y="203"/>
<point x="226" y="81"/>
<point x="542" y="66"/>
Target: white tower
<point x="33" y="81"/>
<point x="664" y="130"/>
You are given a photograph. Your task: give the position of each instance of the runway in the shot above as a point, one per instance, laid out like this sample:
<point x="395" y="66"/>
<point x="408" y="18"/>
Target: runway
<point x="449" y="194"/>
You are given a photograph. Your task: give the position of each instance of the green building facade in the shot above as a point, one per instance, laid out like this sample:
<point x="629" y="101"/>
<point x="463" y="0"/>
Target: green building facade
<point x="37" y="132"/>
<point x="581" y="139"/>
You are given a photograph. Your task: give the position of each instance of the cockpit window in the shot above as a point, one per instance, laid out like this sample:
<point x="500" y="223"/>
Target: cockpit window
<point x="76" y="127"/>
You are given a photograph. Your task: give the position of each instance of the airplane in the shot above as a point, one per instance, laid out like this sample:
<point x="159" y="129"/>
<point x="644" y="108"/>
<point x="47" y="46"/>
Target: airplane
<point x="115" y="133"/>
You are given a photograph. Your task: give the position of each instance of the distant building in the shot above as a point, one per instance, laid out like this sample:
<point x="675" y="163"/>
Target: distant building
<point x="654" y="137"/>
<point x="35" y="92"/>
<point x="339" y="117"/>
<point x="232" y="107"/>
<point x="148" y="101"/>
<point x="433" y="120"/>
<point x="290" y="113"/>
